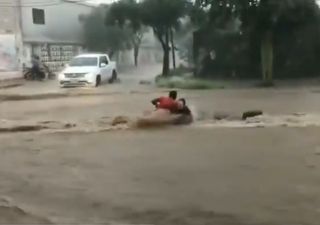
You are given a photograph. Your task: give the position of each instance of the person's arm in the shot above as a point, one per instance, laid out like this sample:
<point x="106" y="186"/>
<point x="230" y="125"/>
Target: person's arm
<point x="155" y="101"/>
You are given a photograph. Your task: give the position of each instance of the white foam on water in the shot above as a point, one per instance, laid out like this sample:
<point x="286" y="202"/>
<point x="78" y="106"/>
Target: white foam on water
<point x="194" y="111"/>
<point x="198" y="115"/>
<point x="291" y="120"/>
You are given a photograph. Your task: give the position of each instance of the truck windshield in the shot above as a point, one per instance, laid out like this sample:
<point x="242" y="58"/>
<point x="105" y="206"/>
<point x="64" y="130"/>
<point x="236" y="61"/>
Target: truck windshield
<point x="84" y="61"/>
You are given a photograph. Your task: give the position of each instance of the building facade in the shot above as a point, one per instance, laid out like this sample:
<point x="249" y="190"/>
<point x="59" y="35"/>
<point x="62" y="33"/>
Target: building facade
<point x="53" y="32"/>
<point x="10" y="41"/>
<point x="48" y="29"/>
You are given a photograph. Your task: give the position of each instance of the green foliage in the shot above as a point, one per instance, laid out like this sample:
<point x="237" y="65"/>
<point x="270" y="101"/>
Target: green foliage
<point x="126" y="14"/>
<point x="163" y="13"/>
<point x="181" y="71"/>
<point x="187" y="83"/>
<point x="99" y="37"/>
<point x="162" y="16"/>
<point x="280" y="36"/>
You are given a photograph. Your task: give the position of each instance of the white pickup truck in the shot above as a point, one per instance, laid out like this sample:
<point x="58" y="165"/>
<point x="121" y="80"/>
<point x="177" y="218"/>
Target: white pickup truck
<point x="88" y="70"/>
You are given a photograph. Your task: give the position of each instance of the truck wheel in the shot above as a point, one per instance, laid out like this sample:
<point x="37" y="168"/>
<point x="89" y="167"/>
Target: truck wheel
<point x="98" y="80"/>
<point x="113" y="77"/>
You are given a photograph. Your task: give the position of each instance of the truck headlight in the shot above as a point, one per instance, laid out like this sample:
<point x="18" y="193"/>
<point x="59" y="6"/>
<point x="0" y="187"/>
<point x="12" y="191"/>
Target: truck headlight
<point x="61" y="76"/>
<point x="89" y="75"/>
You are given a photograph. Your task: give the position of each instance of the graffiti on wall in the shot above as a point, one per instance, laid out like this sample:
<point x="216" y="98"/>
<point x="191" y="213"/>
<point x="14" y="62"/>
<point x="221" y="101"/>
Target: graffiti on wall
<point x="8" y="55"/>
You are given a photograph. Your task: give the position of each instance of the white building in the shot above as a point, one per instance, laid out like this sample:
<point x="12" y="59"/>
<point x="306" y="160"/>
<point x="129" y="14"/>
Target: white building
<point x="50" y="29"/>
<point x="10" y="41"/>
<point x="53" y="31"/>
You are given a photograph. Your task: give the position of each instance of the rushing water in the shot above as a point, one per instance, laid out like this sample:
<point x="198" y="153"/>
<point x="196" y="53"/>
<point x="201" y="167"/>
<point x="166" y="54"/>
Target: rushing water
<point x="79" y="168"/>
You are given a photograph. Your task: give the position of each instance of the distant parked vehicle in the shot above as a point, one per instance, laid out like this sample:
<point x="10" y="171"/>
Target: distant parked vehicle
<point x="88" y="70"/>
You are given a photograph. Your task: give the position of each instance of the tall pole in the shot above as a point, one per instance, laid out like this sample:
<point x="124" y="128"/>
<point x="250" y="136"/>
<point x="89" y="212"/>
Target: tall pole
<point x="173" y="49"/>
<point x="19" y="31"/>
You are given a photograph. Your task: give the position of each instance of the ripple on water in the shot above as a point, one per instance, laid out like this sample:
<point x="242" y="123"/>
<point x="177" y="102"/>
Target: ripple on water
<point x="291" y="120"/>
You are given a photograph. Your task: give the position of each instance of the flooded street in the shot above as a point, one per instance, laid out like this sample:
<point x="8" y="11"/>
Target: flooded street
<point x="211" y="172"/>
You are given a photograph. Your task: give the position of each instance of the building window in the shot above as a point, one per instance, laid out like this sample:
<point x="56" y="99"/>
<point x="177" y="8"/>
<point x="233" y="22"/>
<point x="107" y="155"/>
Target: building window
<point x="103" y="59"/>
<point x="38" y="16"/>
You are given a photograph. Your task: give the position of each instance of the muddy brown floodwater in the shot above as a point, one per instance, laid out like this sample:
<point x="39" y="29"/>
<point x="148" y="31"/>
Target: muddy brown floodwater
<point x="217" y="173"/>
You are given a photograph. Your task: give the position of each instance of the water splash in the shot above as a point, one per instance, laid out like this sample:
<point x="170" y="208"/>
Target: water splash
<point x="199" y="115"/>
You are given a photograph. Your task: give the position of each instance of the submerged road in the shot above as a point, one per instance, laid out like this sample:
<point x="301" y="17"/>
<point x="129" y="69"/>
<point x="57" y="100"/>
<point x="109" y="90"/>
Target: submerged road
<point x="177" y="175"/>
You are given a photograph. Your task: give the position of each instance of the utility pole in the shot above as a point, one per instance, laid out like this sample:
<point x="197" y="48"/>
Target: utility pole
<point x="19" y="32"/>
<point x="173" y="49"/>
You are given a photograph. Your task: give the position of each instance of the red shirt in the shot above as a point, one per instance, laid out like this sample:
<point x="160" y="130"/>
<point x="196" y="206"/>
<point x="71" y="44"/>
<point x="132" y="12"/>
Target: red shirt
<point x="167" y="103"/>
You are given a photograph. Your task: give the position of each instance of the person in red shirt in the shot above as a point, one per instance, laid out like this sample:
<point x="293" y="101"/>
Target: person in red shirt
<point x="168" y="103"/>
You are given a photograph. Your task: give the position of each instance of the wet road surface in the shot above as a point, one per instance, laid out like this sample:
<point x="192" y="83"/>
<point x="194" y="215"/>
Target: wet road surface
<point x="176" y="175"/>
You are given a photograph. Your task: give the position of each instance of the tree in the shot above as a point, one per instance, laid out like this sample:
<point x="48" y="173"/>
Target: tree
<point x="173" y="48"/>
<point x="162" y="16"/>
<point x="126" y="15"/>
<point x="270" y="24"/>
<point x="274" y="21"/>
<point x="99" y="37"/>
<point x="217" y="38"/>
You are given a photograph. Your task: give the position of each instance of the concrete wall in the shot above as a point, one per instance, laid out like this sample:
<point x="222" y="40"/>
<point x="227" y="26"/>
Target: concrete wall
<point x="10" y="42"/>
<point x="7" y="20"/>
<point x="8" y="53"/>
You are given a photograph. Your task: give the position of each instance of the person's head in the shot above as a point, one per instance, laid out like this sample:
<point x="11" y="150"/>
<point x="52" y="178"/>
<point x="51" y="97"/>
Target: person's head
<point x="173" y="95"/>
